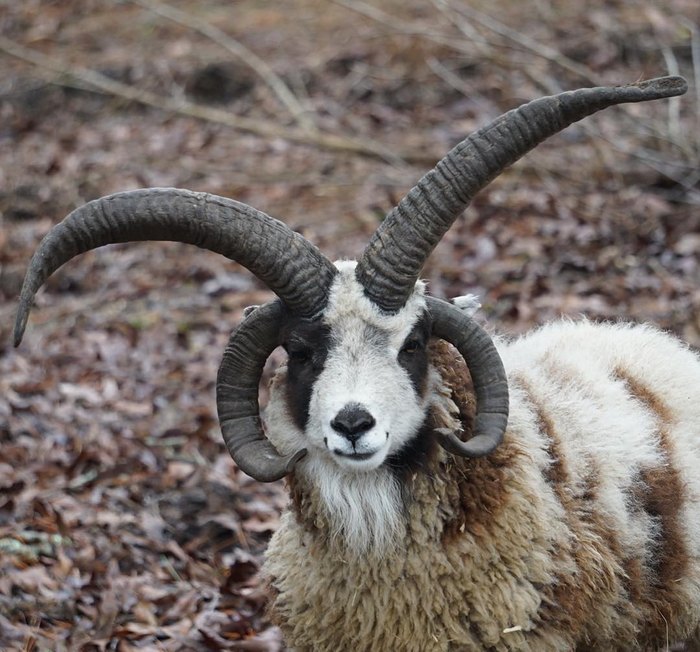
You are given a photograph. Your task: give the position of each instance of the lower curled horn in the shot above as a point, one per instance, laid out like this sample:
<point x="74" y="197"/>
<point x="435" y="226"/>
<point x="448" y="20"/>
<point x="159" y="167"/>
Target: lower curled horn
<point x="248" y="348"/>
<point x="488" y="375"/>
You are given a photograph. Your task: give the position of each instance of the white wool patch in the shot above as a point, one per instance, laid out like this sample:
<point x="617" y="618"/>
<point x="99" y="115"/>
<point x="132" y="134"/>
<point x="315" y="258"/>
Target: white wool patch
<point x="469" y="304"/>
<point x="577" y="371"/>
<point x="363" y="510"/>
<point x="347" y="300"/>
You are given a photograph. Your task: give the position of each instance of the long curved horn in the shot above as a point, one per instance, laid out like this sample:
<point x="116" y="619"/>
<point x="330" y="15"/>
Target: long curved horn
<point x="394" y="257"/>
<point x="290" y="265"/>
<point x="488" y="375"/>
<point x="237" y="395"/>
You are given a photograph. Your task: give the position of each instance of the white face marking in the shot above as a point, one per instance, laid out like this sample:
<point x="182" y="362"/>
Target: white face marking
<point x="361" y="498"/>
<point x="362" y="373"/>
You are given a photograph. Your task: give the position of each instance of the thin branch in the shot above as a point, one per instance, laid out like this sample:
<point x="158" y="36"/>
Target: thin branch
<point x="467" y="46"/>
<point x="484" y="48"/>
<point x="674" y="105"/>
<point x="398" y="25"/>
<point x="472" y="35"/>
<point x="530" y="44"/>
<point x="376" y="14"/>
<point x="60" y="73"/>
<point x="695" y="58"/>
<point x="238" y="50"/>
<point x="454" y="81"/>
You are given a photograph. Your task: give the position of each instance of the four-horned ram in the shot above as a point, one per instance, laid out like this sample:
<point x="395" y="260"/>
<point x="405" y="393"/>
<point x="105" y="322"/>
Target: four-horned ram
<point x="425" y="513"/>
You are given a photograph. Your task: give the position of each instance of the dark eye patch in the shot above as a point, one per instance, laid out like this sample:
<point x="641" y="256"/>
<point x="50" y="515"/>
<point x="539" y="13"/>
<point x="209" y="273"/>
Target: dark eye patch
<point x="299" y="350"/>
<point x="307" y="344"/>
<point x="413" y="356"/>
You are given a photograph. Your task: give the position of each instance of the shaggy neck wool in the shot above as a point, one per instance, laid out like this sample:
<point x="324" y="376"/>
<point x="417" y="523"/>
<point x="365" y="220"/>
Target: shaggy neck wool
<point x="358" y="513"/>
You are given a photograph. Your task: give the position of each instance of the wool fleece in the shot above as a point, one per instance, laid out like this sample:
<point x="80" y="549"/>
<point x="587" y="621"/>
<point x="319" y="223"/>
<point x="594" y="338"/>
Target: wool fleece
<point x="581" y="531"/>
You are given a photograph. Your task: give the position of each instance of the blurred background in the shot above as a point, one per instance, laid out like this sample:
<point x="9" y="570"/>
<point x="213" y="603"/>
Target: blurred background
<point x="123" y="523"/>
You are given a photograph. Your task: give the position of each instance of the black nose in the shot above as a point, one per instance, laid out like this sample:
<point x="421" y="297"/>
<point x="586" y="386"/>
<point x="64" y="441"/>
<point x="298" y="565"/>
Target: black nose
<point x="352" y="421"/>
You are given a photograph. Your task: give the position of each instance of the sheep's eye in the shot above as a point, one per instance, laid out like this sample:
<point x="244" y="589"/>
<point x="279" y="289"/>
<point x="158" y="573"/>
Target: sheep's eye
<point x="411" y="346"/>
<point x="299" y="354"/>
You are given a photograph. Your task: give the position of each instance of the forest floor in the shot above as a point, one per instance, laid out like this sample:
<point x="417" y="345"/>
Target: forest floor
<point x="124" y="524"/>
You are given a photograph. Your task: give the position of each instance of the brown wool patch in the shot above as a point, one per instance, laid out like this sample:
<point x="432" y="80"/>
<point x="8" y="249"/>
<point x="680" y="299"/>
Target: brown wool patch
<point x="661" y="494"/>
<point x="296" y="494"/>
<point x="304" y="506"/>
<point x="645" y="395"/>
<point x="593" y="547"/>
<point x="662" y="499"/>
<point x="481" y="491"/>
<point x="637" y="579"/>
<point x="663" y="488"/>
<point x="455" y="374"/>
<point x="556" y="474"/>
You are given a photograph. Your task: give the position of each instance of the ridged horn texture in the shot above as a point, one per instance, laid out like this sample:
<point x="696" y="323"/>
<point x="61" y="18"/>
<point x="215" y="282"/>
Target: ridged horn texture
<point x="288" y="263"/>
<point x="488" y="376"/>
<point x="394" y="257"/>
<point x="237" y="395"/>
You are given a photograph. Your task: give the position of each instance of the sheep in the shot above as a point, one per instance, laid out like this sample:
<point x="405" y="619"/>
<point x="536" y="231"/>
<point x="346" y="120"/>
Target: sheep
<point x="448" y="490"/>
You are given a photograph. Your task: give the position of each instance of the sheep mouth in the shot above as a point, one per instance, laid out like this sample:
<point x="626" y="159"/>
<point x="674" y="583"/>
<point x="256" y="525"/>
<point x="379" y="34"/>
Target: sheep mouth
<point x="355" y="456"/>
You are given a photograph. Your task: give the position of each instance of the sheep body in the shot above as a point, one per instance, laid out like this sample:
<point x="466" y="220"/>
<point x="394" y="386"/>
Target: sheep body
<point x="579" y="532"/>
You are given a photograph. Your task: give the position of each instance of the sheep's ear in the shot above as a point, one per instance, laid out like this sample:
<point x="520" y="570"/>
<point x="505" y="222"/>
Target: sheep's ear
<point x="249" y="310"/>
<point x="469" y="304"/>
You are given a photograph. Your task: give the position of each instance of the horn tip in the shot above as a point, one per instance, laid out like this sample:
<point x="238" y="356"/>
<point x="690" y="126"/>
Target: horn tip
<point x="20" y="325"/>
<point x="295" y="458"/>
<point x="261" y="460"/>
<point x="661" y="87"/>
<point x="478" y="446"/>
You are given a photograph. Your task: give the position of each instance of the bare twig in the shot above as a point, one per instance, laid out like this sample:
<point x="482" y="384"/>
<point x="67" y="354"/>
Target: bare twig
<point x="478" y="47"/>
<point x="238" y="50"/>
<point x="378" y="15"/>
<point x="473" y="39"/>
<point x="457" y="83"/>
<point x="471" y="34"/>
<point x="398" y="25"/>
<point x="523" y="40"/>
<point x="674" y="106"/>
<point x="60" y="73"/>
<point x="695" y="57"/>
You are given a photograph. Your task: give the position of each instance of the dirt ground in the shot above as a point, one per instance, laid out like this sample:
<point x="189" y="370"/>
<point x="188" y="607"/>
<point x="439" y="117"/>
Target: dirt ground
<point x="124" y="524"/>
